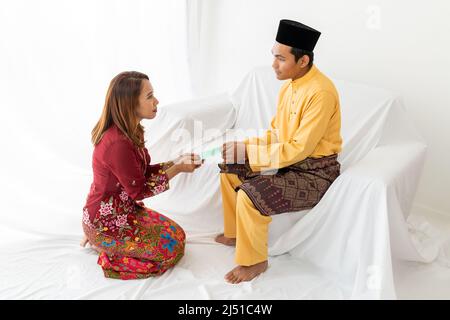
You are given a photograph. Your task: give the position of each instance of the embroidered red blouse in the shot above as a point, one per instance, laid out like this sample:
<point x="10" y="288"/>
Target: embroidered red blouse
<point x="123" y="175"/>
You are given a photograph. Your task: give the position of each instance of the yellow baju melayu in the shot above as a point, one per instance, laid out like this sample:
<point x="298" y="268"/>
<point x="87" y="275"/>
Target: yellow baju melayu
<point x="306" y="127"/>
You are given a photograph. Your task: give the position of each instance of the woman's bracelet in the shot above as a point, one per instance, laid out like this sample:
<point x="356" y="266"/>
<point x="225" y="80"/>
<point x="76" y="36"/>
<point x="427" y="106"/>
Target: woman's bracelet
<point x="167" y="165"/>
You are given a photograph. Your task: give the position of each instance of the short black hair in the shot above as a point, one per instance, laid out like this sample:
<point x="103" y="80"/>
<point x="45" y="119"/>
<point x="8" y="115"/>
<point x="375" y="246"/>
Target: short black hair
<point x="298" y="53"/>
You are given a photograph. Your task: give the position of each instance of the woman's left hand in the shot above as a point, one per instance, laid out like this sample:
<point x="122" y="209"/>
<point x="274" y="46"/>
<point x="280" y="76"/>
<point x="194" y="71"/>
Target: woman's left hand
<point x="184" y="155"/>
<point x="170" y="163"/>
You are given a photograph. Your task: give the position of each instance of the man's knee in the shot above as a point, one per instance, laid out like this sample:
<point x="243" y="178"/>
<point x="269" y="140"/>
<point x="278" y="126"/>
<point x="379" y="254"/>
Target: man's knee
<point x="243" y="199"/>
<point x="223" y="176"/>
<point x="230" y="179"/>
<point x="244" y="202"/>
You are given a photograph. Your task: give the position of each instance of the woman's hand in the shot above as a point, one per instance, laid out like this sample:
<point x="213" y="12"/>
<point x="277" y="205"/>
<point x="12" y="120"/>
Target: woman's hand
<point x="187" y="162"/>
<point x="170" y="163"/>
<point x="182" y="157"/>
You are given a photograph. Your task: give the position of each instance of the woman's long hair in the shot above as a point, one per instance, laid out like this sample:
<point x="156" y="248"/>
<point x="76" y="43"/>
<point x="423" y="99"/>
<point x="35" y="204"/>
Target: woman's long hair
<point x="120" y="106"/>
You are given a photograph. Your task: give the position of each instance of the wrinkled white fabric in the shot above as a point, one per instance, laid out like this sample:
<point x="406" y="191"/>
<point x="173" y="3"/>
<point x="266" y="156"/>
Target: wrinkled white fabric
<point x="361" y="223"/>
<point x="344" y="248"/>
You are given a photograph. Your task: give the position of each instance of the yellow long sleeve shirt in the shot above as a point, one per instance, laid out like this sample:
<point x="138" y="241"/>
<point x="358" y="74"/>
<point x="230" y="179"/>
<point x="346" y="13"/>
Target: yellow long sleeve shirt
<point x="307" y="124"/>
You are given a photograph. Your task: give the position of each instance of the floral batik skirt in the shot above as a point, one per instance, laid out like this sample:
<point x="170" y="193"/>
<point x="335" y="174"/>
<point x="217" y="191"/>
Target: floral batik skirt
<point x="147" y="245"/>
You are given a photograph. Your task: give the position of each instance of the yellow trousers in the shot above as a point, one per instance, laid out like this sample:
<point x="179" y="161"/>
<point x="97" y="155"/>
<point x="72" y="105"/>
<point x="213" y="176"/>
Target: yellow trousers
<point x="243" y="222"/>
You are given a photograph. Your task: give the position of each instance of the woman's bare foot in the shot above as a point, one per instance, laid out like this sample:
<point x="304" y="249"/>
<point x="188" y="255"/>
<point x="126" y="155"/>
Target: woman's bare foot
<point x="226" y="241"/>
<point x="244" y="273"/>
<point x="85" y="241"/>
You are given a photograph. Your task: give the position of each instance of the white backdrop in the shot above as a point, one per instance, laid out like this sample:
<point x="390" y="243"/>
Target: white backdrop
<point x="400" y="45"/>
<point x="56" y="61"/>
<point x="57" y="58"/>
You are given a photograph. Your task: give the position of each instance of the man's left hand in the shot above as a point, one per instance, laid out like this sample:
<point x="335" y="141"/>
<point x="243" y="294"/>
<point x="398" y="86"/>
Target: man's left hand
<point x="234" y="152"/>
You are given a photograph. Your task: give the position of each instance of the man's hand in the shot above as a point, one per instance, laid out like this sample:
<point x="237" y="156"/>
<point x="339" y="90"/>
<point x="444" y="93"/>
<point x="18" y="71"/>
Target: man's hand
<point x="234" y="152"/>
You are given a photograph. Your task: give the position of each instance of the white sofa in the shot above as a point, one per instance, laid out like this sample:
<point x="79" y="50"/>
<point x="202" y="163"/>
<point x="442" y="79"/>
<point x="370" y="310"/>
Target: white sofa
<point x="358" y="227"/>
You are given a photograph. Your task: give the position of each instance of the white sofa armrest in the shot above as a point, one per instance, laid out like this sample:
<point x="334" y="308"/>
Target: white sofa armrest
<point x="392" y="172"/>
<point x="395" y="166"/>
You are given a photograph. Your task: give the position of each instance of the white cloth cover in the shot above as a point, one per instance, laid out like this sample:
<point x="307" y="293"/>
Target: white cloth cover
<point x="343" y="248"/>
<point x="360" y="225"/>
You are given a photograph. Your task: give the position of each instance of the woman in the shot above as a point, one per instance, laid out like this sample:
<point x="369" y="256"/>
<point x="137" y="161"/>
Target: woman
<point x="133" y="241"/>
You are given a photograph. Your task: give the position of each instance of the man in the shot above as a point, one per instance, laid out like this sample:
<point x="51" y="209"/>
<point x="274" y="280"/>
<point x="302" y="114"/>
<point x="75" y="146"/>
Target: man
<point x="292" y="165"/>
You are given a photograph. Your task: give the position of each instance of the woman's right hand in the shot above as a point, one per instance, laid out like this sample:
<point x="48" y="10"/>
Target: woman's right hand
<point x="188" y="162"/>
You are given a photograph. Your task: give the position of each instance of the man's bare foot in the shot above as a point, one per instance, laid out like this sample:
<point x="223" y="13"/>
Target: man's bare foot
<point x="226" y="241"/>
<point x="85" y="241"/>
<point x="244" y="273"/>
